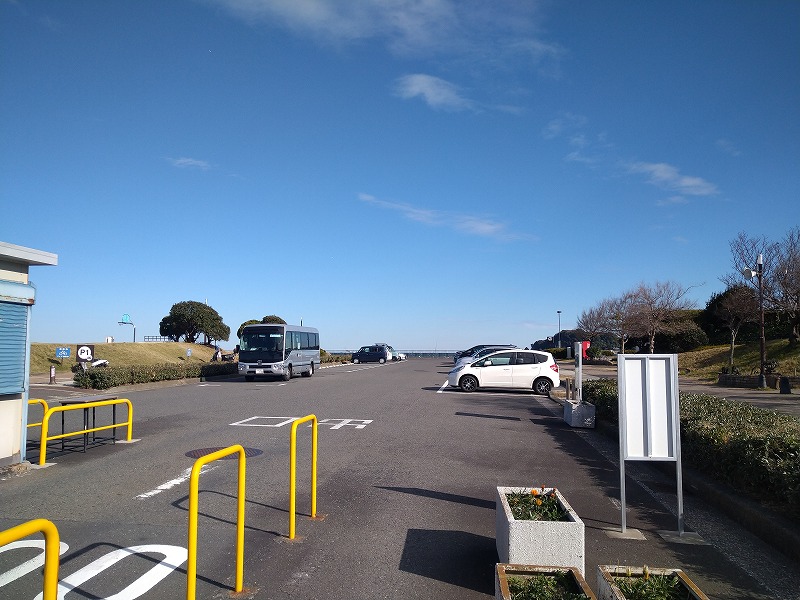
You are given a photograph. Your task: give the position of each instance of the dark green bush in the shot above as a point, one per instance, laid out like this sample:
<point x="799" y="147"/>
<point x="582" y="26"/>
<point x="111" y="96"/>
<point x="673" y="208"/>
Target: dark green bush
<point x="750" y="448"/>
<point x="603" y="394"/>
<point x="107" y="377"/>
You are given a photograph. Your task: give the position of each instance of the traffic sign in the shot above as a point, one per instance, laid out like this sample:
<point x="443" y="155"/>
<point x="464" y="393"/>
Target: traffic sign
<point x="62" y="352"/>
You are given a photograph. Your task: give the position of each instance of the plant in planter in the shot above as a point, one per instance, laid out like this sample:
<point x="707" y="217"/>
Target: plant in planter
<point x="645" y="583"/>
<point x="540" y="529"/>
<point x="529" y="582"/>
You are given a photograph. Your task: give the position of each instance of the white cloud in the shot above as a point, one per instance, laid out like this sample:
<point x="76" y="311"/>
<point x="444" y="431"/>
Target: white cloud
<point x="469" y="224"/>
<point x="668" y="177"/>
<point x="566" y="122"/>
<point x="436" y="92"/>
<point x="728" y="147"/>
<point x="189" y="163"/>
<point x="486" y="32"/>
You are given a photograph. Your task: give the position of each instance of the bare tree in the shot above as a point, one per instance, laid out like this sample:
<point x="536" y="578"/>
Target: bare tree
<point x="780" y="275"/>
<point x="592" y="323"/>
<point x="616" y="315"/>
<point x="657" y="309"/>
<point x="736" y="306"/>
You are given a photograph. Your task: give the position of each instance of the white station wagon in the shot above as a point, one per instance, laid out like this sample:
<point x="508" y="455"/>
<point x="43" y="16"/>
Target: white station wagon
<point x="515" y="369"/>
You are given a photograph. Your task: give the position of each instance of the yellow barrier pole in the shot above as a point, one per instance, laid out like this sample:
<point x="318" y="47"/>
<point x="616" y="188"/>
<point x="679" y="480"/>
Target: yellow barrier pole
<point x="194" y="492"/>
<point x="50" y="411"/>
<point x="44" y="409"/>
<point x="293" y="470"/>
<point x="51" y="550"/>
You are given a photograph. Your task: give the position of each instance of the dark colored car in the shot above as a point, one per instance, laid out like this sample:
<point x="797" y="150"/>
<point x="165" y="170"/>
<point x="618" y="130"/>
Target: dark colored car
<point x="474" y="349"/>
<point x="375" y="353"/>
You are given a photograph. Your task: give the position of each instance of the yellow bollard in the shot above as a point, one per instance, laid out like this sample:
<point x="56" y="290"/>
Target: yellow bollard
<point x="51" y="550"/>
<point x="194" y="482"/>
<point x="293" y="470"/>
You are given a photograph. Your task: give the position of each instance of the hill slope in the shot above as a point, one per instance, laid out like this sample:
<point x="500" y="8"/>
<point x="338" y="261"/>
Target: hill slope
<point x="120" y="354"/>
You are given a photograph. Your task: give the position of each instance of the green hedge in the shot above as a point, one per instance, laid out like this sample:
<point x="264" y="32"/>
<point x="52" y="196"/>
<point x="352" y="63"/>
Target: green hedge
<point x="749" y="448"/>
<point x="102" y="378"/>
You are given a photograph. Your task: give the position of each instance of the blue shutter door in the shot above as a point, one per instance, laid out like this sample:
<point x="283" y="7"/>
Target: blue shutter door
<point x="13" y="338"/>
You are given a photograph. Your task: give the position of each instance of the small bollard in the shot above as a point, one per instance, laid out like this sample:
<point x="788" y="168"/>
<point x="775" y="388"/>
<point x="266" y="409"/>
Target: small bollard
<point x="52" y="374"/>
<point x="785" y="385"/>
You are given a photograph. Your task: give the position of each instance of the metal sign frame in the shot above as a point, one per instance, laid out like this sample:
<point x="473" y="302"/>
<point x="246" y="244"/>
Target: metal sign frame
<point x="649" y="416"/>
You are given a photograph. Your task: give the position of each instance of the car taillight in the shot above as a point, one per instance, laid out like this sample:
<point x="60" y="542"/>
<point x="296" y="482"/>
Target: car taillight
<point x="554" y="366"/>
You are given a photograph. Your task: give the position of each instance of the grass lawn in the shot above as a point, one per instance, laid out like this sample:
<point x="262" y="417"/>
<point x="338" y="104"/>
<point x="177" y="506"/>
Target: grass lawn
<point x="120" y="354"/>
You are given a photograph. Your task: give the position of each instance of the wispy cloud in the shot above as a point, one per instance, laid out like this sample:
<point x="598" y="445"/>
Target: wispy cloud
<point x="437" y="93"/>
<point x="469" y="224"/>
<point x="668" y="177"/>
<point x="728" y="147"/>
<point x="189" y="163"/>
<point x="564" y="123"/>
<point x="411" y="26"/>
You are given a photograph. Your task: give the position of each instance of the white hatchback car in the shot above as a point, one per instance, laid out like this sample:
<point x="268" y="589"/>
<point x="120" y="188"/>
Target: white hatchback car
<point x="515" y="369"/>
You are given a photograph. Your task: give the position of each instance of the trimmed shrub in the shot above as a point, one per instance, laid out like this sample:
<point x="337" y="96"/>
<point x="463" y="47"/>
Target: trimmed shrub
<point x="107" y="377"/>
<point x="603" y="394"/>
<point x="751" y="449"/>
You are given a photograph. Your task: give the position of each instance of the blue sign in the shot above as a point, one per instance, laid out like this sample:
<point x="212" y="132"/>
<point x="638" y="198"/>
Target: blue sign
<point x="62" y="352"/>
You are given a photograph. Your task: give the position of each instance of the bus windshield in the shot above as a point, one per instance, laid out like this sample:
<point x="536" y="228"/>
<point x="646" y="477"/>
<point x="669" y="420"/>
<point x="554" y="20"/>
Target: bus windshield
<point x="264" y="343"/>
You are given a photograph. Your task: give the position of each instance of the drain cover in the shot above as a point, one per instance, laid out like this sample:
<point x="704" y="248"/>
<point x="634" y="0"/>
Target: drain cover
<point x="248" y="452"/>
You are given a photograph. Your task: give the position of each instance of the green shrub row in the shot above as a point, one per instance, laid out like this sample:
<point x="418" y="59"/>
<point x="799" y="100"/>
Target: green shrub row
<point x="102" y="378"/>
<point x="750" y="448"/>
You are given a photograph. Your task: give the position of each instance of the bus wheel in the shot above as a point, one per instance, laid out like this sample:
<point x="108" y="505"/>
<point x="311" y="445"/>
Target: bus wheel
<point x="287" y="374"/>
<point x="310" y="371"/>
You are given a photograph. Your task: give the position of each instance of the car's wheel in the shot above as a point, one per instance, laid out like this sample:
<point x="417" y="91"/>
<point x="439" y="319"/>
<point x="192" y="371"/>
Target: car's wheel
<point x="248" y="378"/>
<point x="381" y="360"/>
<point x="355" y="361"/>
<point x="468" y="383"/>
<point x="287" y="374"/>
<point x="310" y="371"/>
<point x="542" y="386"/>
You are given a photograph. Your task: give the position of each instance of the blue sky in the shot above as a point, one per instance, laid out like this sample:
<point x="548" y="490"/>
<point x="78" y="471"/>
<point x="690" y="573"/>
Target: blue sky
<point x="429" y="173"/>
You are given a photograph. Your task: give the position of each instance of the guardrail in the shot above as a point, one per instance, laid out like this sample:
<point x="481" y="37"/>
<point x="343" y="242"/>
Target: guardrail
<point x="51" y="550"/>
<point x="191" y="565"/>
<point x="293" y="470"/>
<point x="44" y="410"/>
<point x="61" y="409"/>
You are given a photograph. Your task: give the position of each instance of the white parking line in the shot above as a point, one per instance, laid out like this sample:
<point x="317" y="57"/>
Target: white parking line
<point x="173" y="482"/>
<point x="443" y="388"/>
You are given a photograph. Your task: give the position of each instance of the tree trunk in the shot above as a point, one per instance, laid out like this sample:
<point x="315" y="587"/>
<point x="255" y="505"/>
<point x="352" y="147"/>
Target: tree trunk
<point x="733" y="343"/>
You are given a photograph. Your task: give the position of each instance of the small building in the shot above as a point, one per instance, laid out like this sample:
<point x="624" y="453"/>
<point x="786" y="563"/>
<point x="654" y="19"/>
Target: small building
<point x="17" y="296"/>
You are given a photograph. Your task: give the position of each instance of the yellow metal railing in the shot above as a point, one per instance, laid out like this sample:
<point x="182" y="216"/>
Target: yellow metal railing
<point x="60" y="409"/>
<point x="44" y="410"/>
<point x="191" y="567"/>
<point x="51" y="550"/>
<point x="293" y="470"/>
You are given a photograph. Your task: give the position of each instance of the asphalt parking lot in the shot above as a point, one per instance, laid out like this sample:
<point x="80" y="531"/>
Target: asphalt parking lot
<point x="406" y="478"/>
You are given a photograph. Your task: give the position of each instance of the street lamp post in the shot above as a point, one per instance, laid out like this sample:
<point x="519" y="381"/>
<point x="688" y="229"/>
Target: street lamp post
<point x="126" y="320"/>
<point x="759" y="273"/>
<point x="559" y="328"/>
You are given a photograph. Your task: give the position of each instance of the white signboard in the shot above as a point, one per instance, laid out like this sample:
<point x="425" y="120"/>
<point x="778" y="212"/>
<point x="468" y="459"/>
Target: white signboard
<point x="649" y="416"/>
<point x="648" y="406"/>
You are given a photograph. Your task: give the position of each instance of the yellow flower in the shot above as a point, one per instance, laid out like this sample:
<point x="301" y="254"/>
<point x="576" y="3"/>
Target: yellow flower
<point x="538" y="502"/>
<point x="534" y="492"/>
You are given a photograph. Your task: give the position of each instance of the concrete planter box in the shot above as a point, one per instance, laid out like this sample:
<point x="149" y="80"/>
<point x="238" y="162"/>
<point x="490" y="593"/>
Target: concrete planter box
<point x="579" y="414"/>
<point x="504" y="571"/>
<point x="554" y="543"/>
<point x="608" y="590"/>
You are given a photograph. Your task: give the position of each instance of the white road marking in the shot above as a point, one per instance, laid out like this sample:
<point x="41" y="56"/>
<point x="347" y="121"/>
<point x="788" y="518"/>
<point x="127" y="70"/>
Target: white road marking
<point x="175" y="482"/>
<point x="442" y="388"/>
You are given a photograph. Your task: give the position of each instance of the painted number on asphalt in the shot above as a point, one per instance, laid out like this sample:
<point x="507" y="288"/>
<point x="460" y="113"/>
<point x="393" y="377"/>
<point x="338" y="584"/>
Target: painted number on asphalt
<point x="282" y="421"/>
